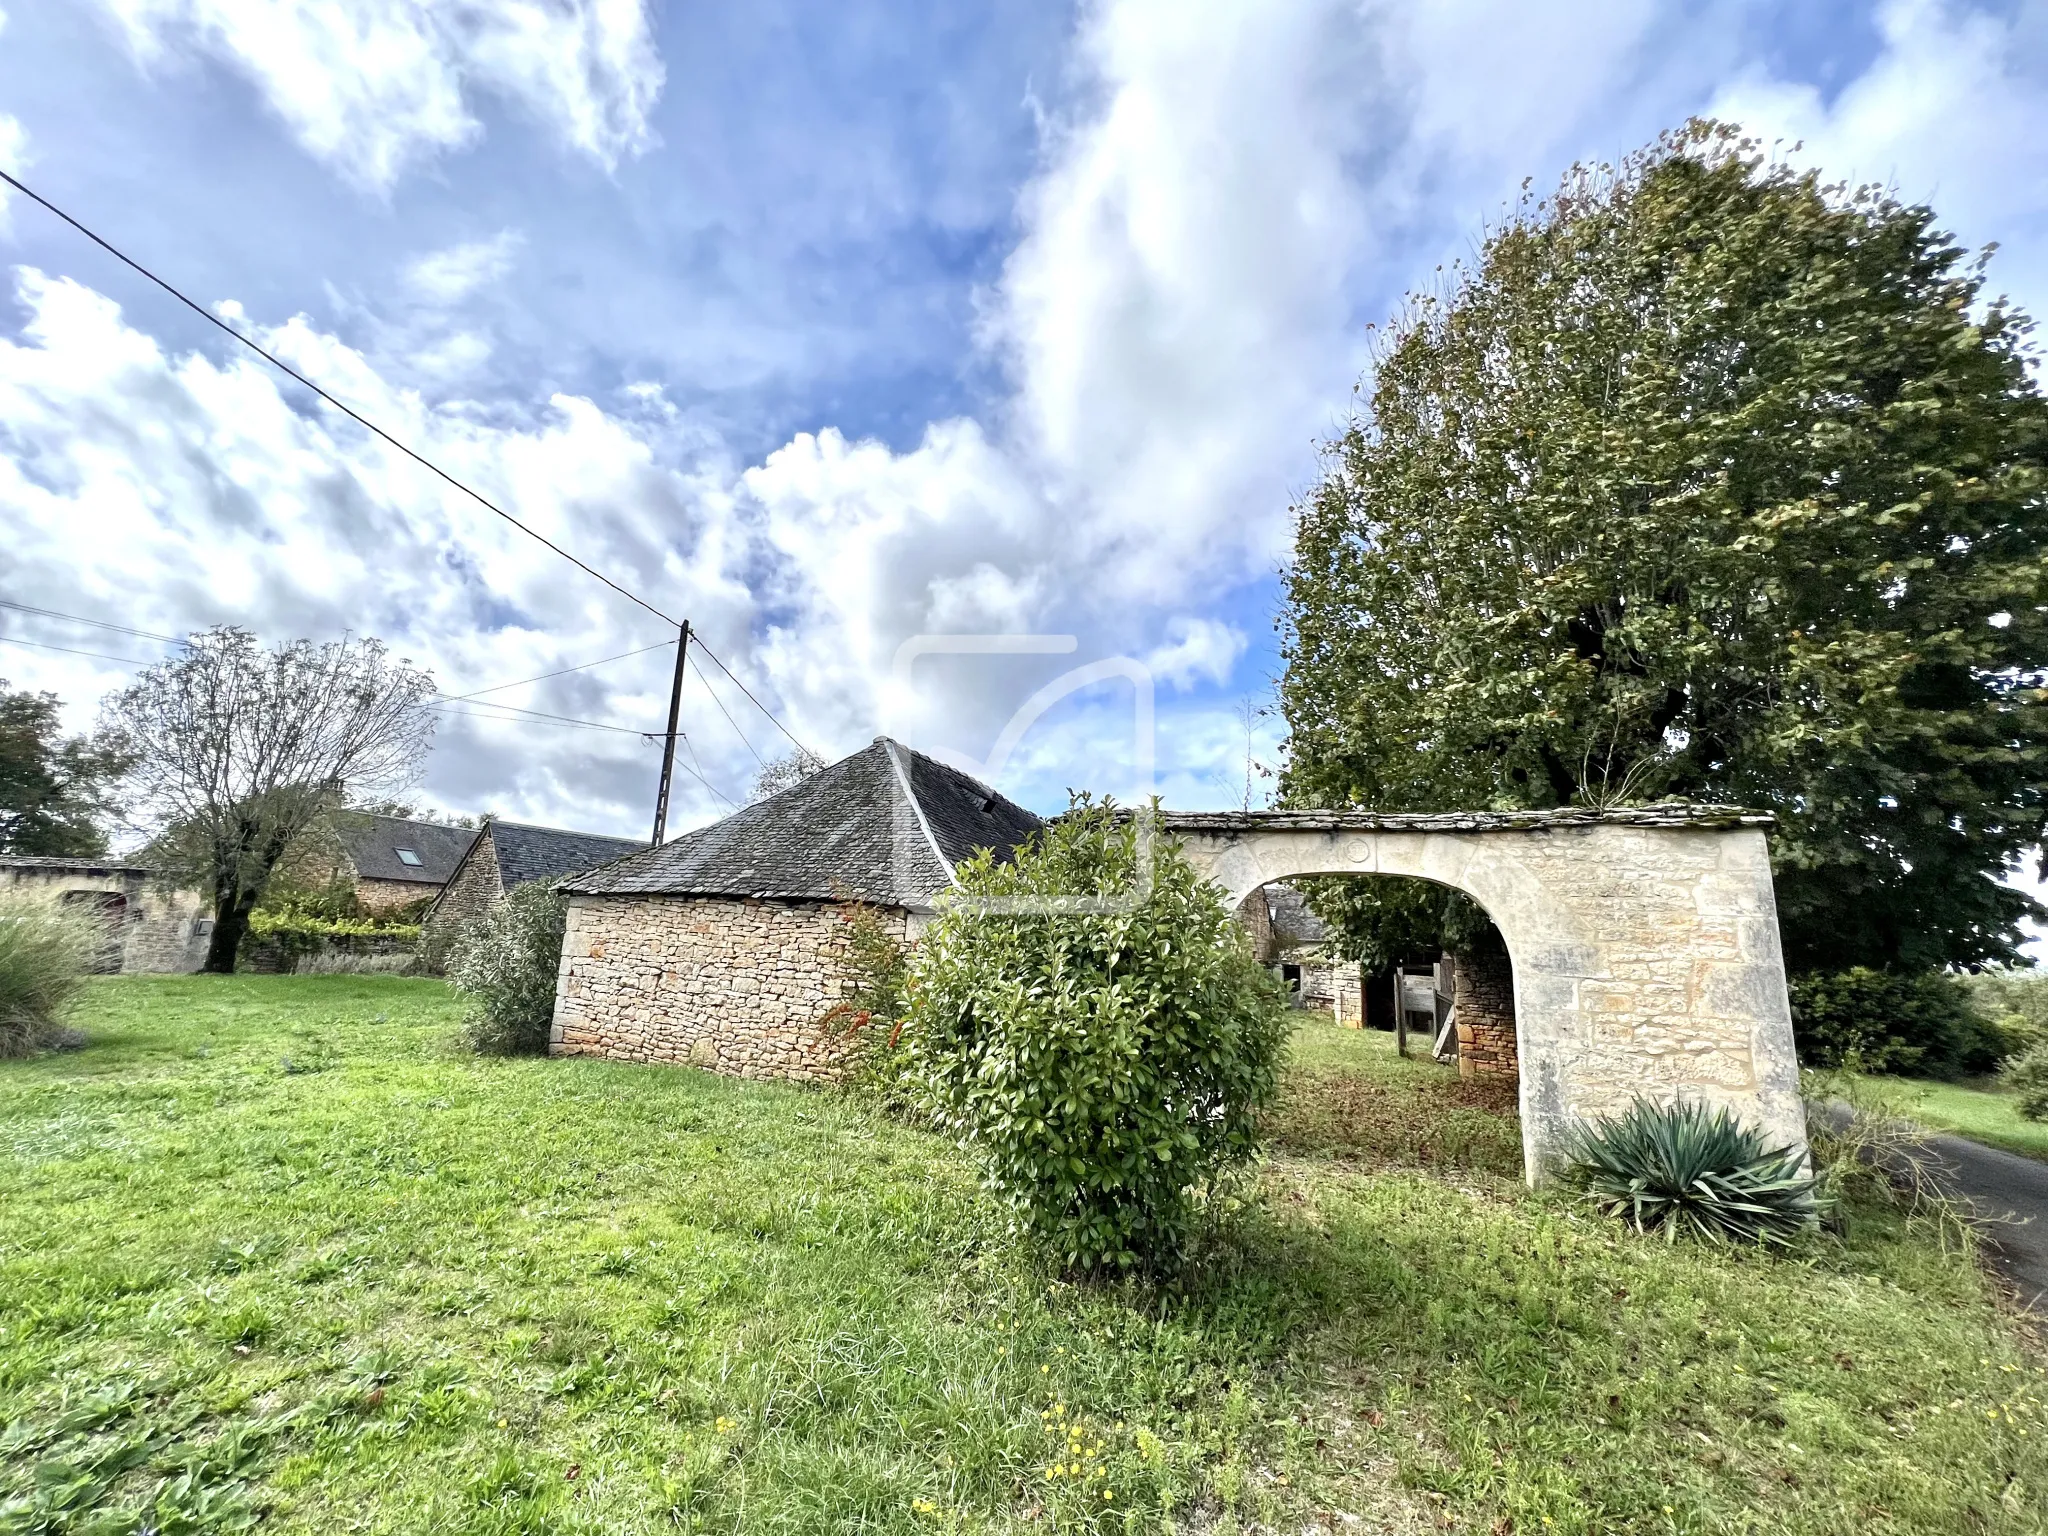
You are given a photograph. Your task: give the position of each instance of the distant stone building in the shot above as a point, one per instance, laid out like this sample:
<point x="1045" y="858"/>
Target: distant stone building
<point x="724" y="948"/>
<point x="1292" y="940"/>
<point x="147" y="926"/>
<point x="505" y="854"/>
<point x="393" y="861"/>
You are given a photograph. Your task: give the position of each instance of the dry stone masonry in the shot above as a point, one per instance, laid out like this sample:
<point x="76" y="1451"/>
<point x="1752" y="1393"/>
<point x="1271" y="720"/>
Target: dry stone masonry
<point x="1644" y="944"/>
<point x="733" y="985"/>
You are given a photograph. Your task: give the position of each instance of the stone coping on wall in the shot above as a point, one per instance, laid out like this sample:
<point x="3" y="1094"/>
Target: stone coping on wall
<point x="74" y="866"/>
<point x="1704" y="817"/>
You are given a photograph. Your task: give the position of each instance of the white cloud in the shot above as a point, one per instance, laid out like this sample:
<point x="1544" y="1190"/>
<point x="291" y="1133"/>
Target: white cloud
<point x="1953" y="111"/>
<point x="1225" y="193"/>
<point x="372" y="86"/>
<point x="13" y="149"/>
<point x="168" y="491"/>
<point x="1201" y="650"/>
<point x="1175" y="322"/>
<point x="451" y="275"/>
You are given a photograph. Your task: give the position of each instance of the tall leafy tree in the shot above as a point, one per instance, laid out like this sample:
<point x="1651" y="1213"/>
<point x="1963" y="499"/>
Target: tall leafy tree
<point x="55" y="790"/>
<point x="1705" y="479"/>
<point x="239" y="750"/>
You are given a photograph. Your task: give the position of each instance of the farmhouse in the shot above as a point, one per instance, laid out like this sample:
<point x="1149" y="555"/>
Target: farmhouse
<point x="505" y="854"/>
<point x="723" y="948"/>
<point x="392" y="861"/>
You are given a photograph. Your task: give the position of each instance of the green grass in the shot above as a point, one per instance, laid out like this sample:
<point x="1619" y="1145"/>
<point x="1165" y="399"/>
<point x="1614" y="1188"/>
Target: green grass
<point x="272" y="1247"/>
<point x="1980" y="1110"/>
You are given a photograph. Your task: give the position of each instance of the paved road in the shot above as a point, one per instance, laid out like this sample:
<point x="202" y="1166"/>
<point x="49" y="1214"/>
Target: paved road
<point x="2014" y="1191"/>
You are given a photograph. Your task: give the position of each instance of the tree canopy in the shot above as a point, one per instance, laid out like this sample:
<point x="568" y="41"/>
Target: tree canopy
<point x="54" y="789"/>
<point x="1705" y="479"/>
<point x="239" y="750"/>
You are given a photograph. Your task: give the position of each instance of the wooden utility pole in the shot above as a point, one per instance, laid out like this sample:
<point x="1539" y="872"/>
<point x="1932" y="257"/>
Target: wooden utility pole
<point x="668" y="751"/>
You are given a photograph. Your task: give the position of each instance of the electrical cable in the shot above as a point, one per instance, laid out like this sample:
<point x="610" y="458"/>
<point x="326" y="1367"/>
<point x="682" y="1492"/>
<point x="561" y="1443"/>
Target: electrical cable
<point x="580" y="667"/>
<point x="74" y="651"/>
<point x="283" y="367"/>
<point x="77" y="618"/>
<point x="699" y="671"/>
<point x="743" y="688"/>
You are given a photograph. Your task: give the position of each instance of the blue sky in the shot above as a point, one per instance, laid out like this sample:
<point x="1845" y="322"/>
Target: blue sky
<point x="827" y="325"/>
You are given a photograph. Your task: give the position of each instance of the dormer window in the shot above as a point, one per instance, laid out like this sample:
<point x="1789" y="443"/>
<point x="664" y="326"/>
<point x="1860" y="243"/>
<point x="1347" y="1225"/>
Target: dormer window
<point x="407" y="857"/>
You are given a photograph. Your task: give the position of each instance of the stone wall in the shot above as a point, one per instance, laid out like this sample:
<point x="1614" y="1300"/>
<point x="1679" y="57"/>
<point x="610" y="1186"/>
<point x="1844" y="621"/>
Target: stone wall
<point x="734" y="986"/>
<point x="471" y="891"/>
<point x="383" y="895"/>
<point x="1483" y="991"/>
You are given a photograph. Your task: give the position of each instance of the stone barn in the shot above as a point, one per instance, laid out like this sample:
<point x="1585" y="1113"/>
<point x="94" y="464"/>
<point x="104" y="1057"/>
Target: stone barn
<point x="724" y="947"/>
<point x="505" y="854"/>
<point x="148" y="926"/>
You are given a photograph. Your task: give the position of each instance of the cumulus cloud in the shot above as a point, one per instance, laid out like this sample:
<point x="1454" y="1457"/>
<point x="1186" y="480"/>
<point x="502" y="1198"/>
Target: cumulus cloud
<point x="1200" y="650"/>
<point x="451" y="275"/>
<point x="175" y="490"/>
<point x="1952" y="111"/>
<point x="1225" y="192"/>
<point x="373" y="86"/>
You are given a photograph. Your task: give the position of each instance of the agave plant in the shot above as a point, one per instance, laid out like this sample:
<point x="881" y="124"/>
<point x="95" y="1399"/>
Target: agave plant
<point x="1684" y="1168"/>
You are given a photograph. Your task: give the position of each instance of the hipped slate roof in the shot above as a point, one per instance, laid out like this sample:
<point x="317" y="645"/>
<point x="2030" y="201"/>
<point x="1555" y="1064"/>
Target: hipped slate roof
<point x="886" y="825"/>
<point x="372" y="844"/>
<point x="526" y="853"/>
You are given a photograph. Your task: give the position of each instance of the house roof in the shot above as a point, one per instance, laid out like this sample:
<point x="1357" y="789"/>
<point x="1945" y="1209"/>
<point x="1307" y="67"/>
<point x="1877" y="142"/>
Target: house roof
<point x="885" y="825"/>
<point x="372" y="844"/>
<point x="527" y="853"/>
<point x="1294" y="925"/>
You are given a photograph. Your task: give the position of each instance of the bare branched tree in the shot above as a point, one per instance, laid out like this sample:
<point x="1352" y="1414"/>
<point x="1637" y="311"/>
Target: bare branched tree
<point x="785" y="772"/>
<point x="239" y="749"/>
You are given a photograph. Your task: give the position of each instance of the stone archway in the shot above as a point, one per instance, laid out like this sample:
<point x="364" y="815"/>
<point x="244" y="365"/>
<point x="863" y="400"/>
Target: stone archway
<point x="1644" y="943"/>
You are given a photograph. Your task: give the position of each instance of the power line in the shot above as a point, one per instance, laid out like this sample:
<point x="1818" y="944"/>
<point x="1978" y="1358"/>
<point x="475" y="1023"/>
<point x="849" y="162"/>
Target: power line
<point x="587" y="725"/>
<point x="537" y="714"/>
<point x="743" y="688"/>
<point x="283" y="367"/>
<point x="74" y="651"/>
<point x="564" y="672"/>
<point x="728" y="714"/>
<point x="76" y="618"/>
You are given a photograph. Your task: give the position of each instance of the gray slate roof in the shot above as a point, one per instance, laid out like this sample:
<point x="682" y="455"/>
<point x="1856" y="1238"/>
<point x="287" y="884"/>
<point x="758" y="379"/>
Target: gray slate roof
<point x="372" y="844"/>
<point x="1294" y="926"/>
<point x="886" y="825"/>
<point x="527" y="853"/>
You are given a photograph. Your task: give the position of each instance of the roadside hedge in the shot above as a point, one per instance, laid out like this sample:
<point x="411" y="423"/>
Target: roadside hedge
<point x="1916" y="1023"/>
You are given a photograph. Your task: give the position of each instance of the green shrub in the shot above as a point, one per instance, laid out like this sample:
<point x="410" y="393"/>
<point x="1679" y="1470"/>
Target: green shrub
<point x="869" y="1019"/>
<point x="296" y="934"/>
<point x="1684" y="1168"/>
<point x="506" y="962"/>
<point x="2027" y="1076"/>
<point x="2016" y="1004"/>
<point x="1921" y="1023"/>
<point x="1108" y="1067"/>
<point x="44" y="952"/>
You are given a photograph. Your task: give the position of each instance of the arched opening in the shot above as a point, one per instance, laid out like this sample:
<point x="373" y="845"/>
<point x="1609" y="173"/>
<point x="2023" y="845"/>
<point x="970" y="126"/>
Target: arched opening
<point x="1644" y="957"/>
<point x="1403" y="955"/>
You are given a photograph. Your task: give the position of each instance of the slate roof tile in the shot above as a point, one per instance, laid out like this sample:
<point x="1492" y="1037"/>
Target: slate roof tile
<point x="886" y="825"/>
<point x="372" y="844"/>
<point x="527" y="853"/>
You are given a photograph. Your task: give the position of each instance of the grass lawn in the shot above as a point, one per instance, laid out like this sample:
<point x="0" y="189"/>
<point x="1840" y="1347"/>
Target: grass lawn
<point x="1980" y="1110"/>
<point x="273" y="1248"/>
